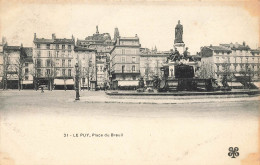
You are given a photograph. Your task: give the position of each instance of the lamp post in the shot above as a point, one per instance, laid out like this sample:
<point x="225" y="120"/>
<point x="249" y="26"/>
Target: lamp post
<point x="77" y="81"/>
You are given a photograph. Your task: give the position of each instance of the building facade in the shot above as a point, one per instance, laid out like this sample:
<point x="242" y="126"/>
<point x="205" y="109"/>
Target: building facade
<point x="103" y="44"/>
<point x="1" y="64"/>
<point x="125" y="62"/>
<point x="53" y="62"/>
<point x="86" y="59"/>
<point x="230" y="60"/>
<point x="150" y="64"/>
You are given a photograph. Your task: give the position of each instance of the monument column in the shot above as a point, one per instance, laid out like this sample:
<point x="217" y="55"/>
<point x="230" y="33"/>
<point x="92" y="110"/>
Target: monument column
<point x="178" y="42"/>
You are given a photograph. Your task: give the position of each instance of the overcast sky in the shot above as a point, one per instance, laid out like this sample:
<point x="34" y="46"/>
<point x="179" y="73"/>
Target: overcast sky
<point x="203" y="24"/>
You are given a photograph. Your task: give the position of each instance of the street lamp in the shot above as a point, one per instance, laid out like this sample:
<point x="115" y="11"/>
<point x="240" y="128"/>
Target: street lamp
<point x="77" y="81"/>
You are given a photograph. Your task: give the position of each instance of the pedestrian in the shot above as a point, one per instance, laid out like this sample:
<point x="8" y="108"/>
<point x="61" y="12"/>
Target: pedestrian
<point x="42" y="89"/>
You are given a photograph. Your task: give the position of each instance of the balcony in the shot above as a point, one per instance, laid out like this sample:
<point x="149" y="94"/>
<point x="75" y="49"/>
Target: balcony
<point x="125" y="72"/>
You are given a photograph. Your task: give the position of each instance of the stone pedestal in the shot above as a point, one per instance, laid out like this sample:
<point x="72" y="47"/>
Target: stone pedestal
<point x="180" y="47"/>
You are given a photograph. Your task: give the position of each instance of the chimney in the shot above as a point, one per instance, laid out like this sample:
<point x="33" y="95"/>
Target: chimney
<point x="210" y="45"/>
<point x="244" y="43"/>
<point x="21" y="45"/>
<point x="136" y="35"/>
<point x="34" y="35"/>
<point x="53" y="36"/>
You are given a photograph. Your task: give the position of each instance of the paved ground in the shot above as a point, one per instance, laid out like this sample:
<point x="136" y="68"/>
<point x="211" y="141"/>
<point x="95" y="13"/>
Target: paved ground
<point x="33" y="126"/>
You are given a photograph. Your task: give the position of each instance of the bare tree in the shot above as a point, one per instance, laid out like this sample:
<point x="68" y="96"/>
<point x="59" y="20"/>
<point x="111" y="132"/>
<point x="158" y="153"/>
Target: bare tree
<point x="19" y="66"/>
<point x="6" y="66"/>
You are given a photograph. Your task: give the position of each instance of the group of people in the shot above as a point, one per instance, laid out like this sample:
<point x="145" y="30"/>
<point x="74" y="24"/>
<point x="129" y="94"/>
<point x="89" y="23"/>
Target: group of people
<point x="176" y="56"/>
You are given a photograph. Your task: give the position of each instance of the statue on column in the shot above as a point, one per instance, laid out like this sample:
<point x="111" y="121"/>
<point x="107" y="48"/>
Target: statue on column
<point x="178" y="33"/>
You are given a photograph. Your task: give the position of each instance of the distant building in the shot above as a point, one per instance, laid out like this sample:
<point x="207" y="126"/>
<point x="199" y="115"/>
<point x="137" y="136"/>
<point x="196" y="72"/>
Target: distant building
<point x="11" y="58"/>
<point x="125" y="63"/>
<point x="230" y="60"/>
<point x="28" y="68"/>
<point x="86" y="59"/>
<point x="150" y="64"/>
<point x="103" y="44"/>
<point x="53" y="59"/>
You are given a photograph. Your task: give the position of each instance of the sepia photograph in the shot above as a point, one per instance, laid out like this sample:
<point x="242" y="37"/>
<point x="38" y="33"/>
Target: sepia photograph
<point x="129" y="82"/>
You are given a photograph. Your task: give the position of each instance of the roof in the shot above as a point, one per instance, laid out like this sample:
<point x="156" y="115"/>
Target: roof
<point x="128" y="38"/>
<point x="219" y="49"/>
<point x="63" y="41"/>
<point x="54" y="41"/>
<point x="15" y="48"/>
<point x="255" y="51"/>
<point x="43" y="40"/>
<point x="236" y="46"/>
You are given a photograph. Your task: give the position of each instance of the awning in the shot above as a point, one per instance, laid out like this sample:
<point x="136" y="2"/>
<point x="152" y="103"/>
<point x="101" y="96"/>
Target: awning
<point x="69" y="82"/>
<point x="235" y="84"/>
<point x="128" y="83"/>
<point x="61" y="82"/>
<point x="58" y="82"/>
<point x="27" y="82"/>
<point x="257" y="84"/>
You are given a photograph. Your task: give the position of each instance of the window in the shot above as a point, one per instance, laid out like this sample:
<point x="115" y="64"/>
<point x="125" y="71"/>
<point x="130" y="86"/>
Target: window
<point x="48" y="72"/>
<point x="123" y="69"/>
<point x="26" y="71"/>
<point x="63" y="46"/>
<point x="57" y="46"/>
<point x="48" y="63"/>
<point x="38" y="63"/>
<point x="39" y="72"/>
<point x="57" y="72"/>
<point x="123" y="51"/>
<point x="63" y="53"/>
<point x="69" y="72"/>
<point x="69" y="63"/>
<point x="38" y="53"/>
<point x="63" y="72"/>
<point x="48" y="46"/>
<point x="57" y="62"/>
<point x="26" y="64"/>
<point x="26" y="77"/>
<point x="38" y="45"/>
<point x="133" y="68"/>
<point x="63" y="63"/>
<point x="69" y="53"/>
<point x="49" y="53"/>
<point x="69" y="47"/>
<point x="133" y="59"/>
<point x="57" y="54"/>
<point x="123" y="59"/>
<point x="134" y="77"/>
<point x="217" y="67"/>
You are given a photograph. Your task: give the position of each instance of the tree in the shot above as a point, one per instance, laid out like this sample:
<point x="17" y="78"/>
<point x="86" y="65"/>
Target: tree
<point x="6" y="66"/>
<point x="19" y="67"/>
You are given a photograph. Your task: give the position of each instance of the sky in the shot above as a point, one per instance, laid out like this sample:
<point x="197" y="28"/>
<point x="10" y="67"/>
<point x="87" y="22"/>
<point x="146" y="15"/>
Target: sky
<point x="154" y="24"/>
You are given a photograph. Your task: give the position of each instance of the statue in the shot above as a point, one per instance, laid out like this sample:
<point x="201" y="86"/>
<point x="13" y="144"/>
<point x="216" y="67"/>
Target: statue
<point x="178" y="33"/>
